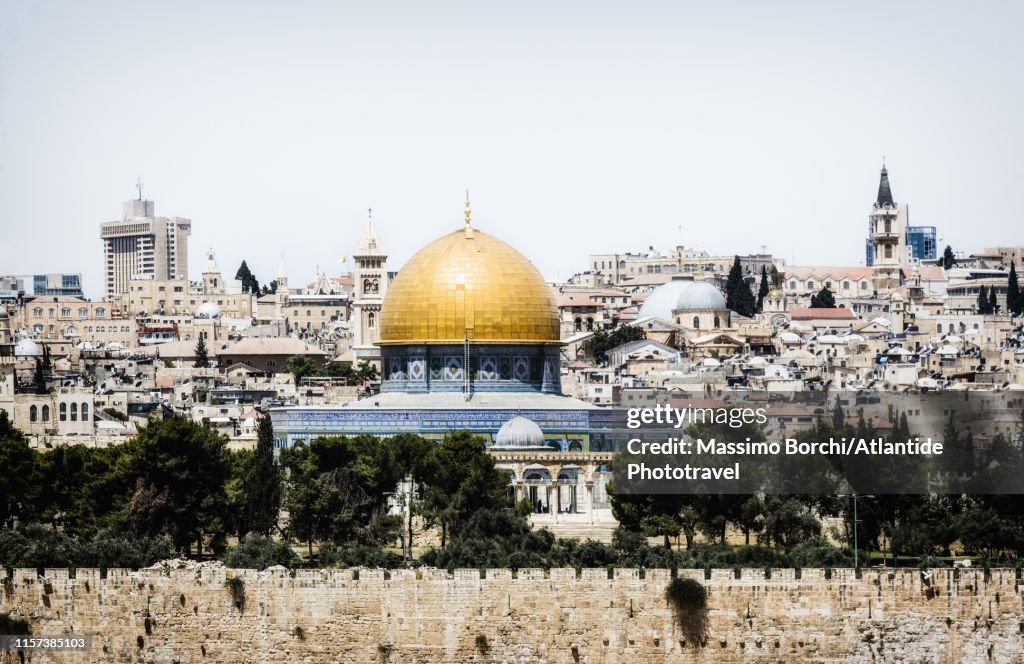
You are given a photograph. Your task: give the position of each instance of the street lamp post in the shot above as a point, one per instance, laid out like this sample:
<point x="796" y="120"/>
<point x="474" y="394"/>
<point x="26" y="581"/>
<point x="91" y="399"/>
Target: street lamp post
<point x="854" y="495"/>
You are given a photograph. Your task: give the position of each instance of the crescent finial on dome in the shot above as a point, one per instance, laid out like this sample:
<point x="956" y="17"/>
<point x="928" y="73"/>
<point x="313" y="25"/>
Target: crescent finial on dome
<point x="469" y="223"/>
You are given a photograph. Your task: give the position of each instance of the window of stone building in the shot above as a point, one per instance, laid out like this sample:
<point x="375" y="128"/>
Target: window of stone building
<point x="718" y="323"/>
<point x="696" y="322"/>
<point x="74" y="412"/>
<point x="810" y="285"/>
<point x="83" y="312"/>
<point x="33" y="413"/>
<point x="46" y="413"/>
<point x="63" y="412"/>
<point x="371" y="319"/>
<point x="792" y="285"/>
<point x="49" y="312"/>
<point x="101" y="312"/>
<point x="846" y="285"/>
<point x="938" y="328"/>
<point x="863" y="285"/>
<point x="888" y="251"/>
<point x="85" y="412"/>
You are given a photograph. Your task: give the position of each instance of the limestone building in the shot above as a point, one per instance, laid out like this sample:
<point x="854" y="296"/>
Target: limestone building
<point x="142" y="245"/>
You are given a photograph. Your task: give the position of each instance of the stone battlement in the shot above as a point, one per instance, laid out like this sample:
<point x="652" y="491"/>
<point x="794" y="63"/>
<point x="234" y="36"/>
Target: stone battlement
<point x="589" y="615"/>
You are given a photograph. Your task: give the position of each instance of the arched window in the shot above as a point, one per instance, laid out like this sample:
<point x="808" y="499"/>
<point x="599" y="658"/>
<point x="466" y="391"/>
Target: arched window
<point x="888" y="251"/>
<point x="590" y="325"/>
<point x="938" y="328"/>
<point x="63" y="412"/>
<point x="888" y="226"/>
<point x="85" y="412"/>
<point x="371" y="319"/>
<point x="46" y="413"/>
<point x="718" y="322"/>
<point x="33" y="414"/>
<point x="579" y="324"/>
<point x="696" y="322"/>
<point x="74" y="412"/>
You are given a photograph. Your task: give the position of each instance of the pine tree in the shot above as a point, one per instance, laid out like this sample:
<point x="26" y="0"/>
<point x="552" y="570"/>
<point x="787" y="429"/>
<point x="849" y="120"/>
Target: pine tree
<point x="202" y="355"/>
<point x="763" y="290"/>
<point x="823" y="300"/>
<point x="249" y="282"/>
<point x="264" y="485"/>
<point x="1014" y="301"/>
<point x="948" y="258"/>
<point x="983" y="300"/>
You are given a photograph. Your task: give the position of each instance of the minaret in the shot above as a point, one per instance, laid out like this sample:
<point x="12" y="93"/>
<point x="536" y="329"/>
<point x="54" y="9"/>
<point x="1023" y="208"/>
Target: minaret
<point x="370" y="285"/>
<point x="887" y="227"/>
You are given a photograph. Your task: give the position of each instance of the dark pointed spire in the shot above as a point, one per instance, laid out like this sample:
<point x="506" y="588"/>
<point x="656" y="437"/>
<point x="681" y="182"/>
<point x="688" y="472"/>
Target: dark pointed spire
<point x="884" y="192"/>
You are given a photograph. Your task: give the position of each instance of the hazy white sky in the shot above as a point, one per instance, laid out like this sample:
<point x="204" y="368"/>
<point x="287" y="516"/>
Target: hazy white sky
<point x="579" y="127"/>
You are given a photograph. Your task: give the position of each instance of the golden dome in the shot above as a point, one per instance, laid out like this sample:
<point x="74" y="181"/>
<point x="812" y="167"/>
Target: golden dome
<point x="468" y="283"/>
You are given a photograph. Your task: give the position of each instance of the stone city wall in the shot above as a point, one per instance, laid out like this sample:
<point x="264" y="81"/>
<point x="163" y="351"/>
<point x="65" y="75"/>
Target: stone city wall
<point x="426" y="616"/>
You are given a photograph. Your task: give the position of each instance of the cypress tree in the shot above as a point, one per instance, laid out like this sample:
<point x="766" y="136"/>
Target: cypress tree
<point x="264" y="485"/>
<point x="738" y="296"/>
<point x="202" y="355"/>
<point x="983" y="300"/>
<point x="1014" y="303"/>
<point x="948" y="258"/>
<point x="763" y="289"/>
<point x="993" y="303"/>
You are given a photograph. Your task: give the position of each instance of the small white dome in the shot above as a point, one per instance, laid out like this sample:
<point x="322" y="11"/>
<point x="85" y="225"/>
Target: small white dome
<point x="27" y="348"/>
<point x="663" y="299"/>
<point x="519" y="432"/>
<point x="700" y="296"/>
<point x="208" y="310"/>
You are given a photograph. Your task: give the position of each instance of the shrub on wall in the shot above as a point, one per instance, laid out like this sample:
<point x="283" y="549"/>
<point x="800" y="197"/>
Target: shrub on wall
<point x="689" y="599"/>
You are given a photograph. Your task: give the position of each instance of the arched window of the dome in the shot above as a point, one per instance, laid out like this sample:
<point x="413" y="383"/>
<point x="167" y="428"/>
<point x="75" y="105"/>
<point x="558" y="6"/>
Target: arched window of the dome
<point x="718" y="322"/>
<point x="696" y="322"/>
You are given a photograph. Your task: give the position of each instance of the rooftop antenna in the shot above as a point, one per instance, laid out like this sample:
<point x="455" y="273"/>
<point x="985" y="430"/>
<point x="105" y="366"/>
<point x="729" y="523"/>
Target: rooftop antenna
<point x="138" y="186"/>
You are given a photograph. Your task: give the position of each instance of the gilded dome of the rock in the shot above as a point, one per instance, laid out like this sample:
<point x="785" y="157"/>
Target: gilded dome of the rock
<point x="468" y="283"/>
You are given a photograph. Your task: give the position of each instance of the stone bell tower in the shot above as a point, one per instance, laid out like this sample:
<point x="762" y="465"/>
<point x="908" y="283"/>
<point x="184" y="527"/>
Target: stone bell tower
<point x="369" y="287"/>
